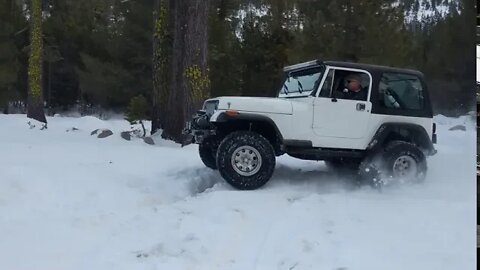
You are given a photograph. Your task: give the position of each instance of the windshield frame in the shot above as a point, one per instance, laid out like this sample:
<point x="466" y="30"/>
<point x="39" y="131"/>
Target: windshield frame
<point x="296" y="93"/>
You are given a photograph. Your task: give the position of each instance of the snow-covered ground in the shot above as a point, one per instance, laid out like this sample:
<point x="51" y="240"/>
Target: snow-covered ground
<point x="69" y="200"/>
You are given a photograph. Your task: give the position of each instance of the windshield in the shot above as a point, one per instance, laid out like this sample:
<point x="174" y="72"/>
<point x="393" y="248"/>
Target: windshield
<point x="301" y="83"/>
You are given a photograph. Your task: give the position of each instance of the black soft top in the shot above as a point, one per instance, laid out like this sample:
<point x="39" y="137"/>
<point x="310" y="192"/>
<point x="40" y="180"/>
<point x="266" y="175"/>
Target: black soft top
<point x="376" y="69"/>
<point x="373" y="68"/>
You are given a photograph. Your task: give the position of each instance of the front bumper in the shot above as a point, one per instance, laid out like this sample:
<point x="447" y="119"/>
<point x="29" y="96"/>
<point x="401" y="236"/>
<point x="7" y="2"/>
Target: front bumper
<point x="197" y="136"/>
<point x="200" y="128"/>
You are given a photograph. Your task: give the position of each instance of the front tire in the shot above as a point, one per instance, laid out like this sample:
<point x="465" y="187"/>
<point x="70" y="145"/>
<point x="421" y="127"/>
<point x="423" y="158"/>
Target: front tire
<point x="246" y="160"/>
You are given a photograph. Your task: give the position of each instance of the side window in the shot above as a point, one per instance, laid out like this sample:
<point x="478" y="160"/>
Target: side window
<point x="349" y="84"/>
<point x="401" y="91"/>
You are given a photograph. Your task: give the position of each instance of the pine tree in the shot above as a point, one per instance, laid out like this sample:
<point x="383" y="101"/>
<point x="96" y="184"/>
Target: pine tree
<point x="224" y="51"/>
<point x="161" y="60"/>
<point x="35" y="69"/>
<point x="186" y="23"/>
<point x="137" y="111"/>
<point x="12" y="39"/>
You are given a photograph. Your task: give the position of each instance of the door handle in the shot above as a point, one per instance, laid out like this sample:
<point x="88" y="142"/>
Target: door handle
<point x="361" y="106"/>
<point x="334" y="99"/>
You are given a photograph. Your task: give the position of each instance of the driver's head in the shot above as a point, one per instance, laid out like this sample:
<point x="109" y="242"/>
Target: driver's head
<point x="353" y="82"/>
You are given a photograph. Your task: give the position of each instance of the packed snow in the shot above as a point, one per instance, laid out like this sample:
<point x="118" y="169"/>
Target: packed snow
<point x="69" y="200"/>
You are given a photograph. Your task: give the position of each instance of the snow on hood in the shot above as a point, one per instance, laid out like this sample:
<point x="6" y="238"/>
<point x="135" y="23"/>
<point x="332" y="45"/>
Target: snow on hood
<point x="256" y="104"/>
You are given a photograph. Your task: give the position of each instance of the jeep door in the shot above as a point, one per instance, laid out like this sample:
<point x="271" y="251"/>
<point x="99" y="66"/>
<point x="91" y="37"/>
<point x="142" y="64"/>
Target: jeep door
<point x="339" y="121"/>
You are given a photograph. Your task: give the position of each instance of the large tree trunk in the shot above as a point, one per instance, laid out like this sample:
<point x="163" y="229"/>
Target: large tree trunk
<point x="189" y="83"/>
<point x="35" y="93"/>
<point x="162" y="43"/>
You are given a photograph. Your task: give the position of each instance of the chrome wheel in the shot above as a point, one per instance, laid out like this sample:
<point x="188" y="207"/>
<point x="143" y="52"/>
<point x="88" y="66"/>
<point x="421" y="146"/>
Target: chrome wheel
<point x="405" y="167"/>
<point x="246" y="160"/>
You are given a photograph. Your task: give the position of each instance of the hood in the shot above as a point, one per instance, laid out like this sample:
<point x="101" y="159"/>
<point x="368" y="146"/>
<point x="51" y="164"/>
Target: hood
<point x="255" y="104"/>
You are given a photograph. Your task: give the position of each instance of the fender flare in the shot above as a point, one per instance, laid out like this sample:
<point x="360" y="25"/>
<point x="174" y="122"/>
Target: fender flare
<point x="224" y="118"/>
<point x="410" y="132"/>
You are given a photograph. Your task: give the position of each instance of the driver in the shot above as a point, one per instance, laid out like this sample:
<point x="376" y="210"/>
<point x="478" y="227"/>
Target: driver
<point x="353" y="88"/>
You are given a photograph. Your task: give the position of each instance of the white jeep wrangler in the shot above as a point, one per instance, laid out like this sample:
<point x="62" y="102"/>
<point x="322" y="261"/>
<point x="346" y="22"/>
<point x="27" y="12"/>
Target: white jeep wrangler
<point x="384" y="132"/>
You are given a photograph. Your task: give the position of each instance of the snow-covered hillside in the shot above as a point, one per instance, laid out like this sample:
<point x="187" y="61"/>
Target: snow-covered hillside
<point x="69" y="200"/>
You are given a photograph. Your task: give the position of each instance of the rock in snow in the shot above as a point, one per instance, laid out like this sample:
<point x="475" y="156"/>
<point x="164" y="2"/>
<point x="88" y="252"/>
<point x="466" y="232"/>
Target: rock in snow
<point x="148" y="140"/>
<point x="102" y="133"/>
<point x="458" y="127"/>
<point x="105" y="133"/>
<point x="126" y="135"/>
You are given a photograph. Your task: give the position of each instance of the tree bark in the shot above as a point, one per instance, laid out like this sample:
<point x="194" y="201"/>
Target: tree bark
<point x="35" y="93"/>
<point x="162" y="24"/>
<point x="189" y="83"/>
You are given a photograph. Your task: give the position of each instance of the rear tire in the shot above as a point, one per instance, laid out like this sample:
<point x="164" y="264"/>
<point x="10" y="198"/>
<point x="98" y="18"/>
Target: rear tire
<point x="400" y="162"/>
<point x="246" y="160"/>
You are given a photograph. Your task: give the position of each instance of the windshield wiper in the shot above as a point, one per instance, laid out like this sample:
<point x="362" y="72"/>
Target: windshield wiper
<point x="285" y="88"/>
<point x="300" y="87"/>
